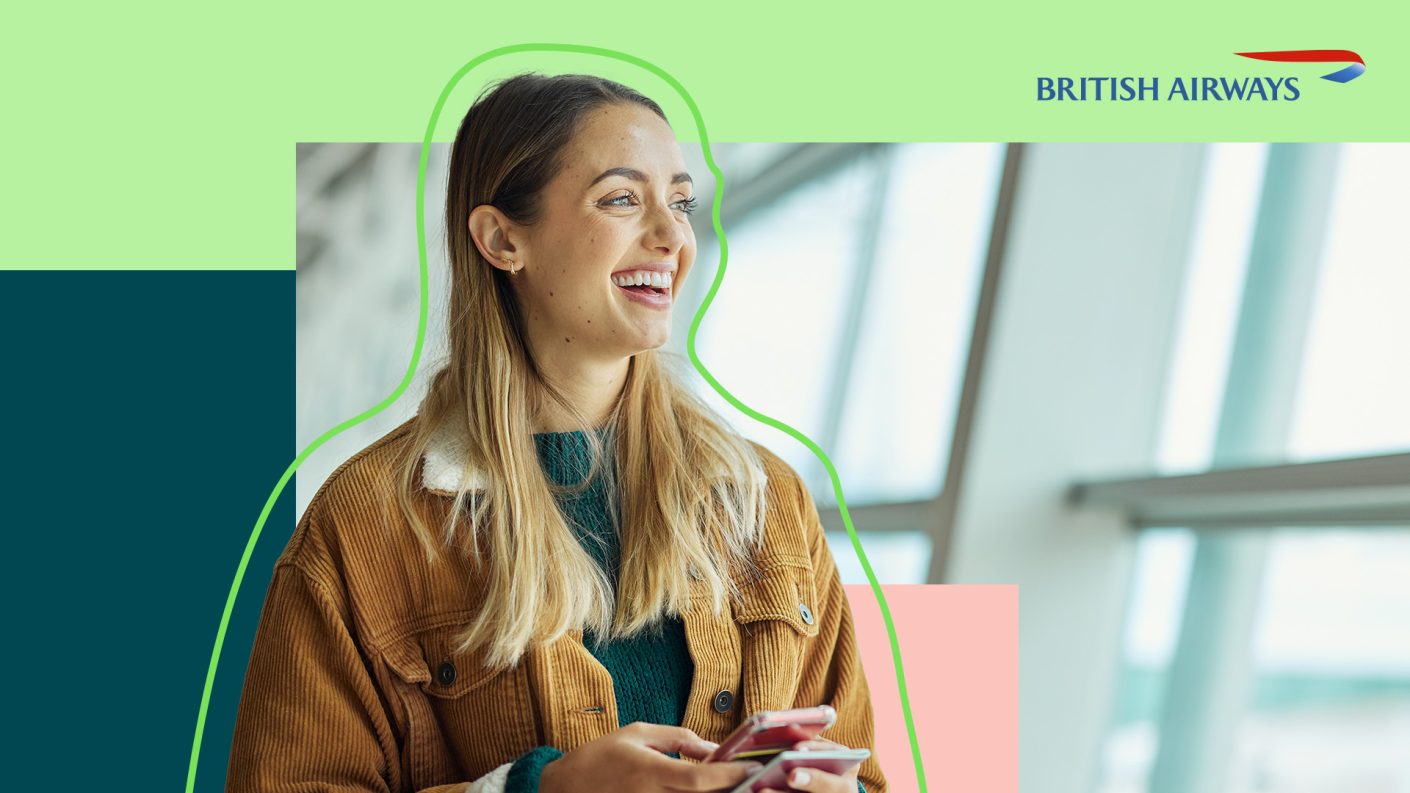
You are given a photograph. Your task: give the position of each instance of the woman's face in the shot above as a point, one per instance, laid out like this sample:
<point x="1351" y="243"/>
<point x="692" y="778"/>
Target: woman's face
<point x="615" y="216"/>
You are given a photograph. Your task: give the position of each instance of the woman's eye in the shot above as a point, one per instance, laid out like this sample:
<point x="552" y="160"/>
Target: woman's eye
<point x="686" y="205"/>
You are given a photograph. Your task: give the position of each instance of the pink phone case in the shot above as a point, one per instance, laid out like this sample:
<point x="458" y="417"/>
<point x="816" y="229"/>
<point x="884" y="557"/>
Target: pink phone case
<point x="771" y="731"/>
<point x="775" y="773"/>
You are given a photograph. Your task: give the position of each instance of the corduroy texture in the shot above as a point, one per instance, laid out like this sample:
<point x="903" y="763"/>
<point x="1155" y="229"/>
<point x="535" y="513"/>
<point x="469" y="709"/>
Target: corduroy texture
<point x="354" y="684"/>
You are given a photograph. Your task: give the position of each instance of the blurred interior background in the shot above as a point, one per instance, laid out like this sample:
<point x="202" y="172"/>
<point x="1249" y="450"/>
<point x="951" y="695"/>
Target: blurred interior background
<point x="1161" y="387"/>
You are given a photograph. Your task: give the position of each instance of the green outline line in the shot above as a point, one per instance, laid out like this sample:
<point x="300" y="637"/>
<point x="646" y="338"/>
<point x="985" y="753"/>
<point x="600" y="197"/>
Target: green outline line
<point x="423" y="311"/>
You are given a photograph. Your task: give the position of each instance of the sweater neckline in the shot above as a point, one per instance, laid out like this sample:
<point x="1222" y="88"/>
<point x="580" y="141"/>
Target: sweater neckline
<point x="565" y="456"/>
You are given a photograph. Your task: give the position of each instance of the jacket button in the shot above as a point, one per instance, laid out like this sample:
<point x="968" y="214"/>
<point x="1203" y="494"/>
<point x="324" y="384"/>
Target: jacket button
<point x="445" y="673"/>
<point x="806" y="612"/>
<point x="724" y="701"/>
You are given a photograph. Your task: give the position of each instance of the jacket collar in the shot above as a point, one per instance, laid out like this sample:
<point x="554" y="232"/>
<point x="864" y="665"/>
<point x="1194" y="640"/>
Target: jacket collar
<point x="443" y="465"/>
<point x="444" y="462"/>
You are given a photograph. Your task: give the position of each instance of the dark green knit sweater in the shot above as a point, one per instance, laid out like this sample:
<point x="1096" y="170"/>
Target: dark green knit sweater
<point x="651" y="672"/>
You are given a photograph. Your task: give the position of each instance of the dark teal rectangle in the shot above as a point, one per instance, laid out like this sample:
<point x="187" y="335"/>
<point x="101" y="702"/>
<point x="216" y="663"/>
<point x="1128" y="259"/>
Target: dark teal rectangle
<point x="148" y="416"/>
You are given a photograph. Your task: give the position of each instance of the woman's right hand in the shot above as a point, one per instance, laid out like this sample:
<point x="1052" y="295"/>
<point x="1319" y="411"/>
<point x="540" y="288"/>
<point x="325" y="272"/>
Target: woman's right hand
<point x="631" y="758"/>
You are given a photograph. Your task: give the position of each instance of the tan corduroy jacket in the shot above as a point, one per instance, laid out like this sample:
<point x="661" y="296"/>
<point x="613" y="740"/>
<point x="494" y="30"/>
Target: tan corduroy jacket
<point x="353" y="686"/>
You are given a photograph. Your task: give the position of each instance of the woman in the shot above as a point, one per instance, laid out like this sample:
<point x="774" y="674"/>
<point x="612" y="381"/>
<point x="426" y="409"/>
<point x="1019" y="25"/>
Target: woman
<point x="456" y="610"/>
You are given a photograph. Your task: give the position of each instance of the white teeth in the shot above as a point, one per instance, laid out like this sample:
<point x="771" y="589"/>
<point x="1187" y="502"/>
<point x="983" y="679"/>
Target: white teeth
<point x="643" y="277"/>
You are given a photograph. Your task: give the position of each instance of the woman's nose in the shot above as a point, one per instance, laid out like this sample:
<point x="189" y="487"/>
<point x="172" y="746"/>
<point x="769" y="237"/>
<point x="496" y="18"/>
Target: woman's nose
<point x="664" y="231"/>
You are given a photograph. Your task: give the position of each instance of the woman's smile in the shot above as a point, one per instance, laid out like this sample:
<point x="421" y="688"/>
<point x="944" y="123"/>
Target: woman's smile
<point x="649" y="285"/>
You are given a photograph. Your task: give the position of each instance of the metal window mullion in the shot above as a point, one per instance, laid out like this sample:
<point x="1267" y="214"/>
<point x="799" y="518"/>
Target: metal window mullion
<point x="1362" y="491"/>
<point x="891" y="516"/>
<point x="941" y="520"/>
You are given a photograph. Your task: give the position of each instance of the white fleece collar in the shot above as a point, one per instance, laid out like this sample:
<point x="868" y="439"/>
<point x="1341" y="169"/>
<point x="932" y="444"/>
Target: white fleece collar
<point x="444" y="461"/>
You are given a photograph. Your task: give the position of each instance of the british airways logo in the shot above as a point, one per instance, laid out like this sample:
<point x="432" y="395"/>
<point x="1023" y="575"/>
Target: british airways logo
<point x="1242" y="88"/>
<point x="1356" y="69"/>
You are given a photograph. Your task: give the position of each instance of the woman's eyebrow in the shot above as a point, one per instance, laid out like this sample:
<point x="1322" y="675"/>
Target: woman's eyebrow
<point x="635" y="175"/>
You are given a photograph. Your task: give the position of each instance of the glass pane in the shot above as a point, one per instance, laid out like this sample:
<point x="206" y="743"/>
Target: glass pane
<point x="897" y="557"/>
<point x="1330" y="707"/>
<point x="1157" y="602"/>
<point x="771" y="335"/>
<point x="1228" y="205"/>
<point x="1355" y="382"/>
<point x="905" y="382"/>
<point x="740" y="162"/>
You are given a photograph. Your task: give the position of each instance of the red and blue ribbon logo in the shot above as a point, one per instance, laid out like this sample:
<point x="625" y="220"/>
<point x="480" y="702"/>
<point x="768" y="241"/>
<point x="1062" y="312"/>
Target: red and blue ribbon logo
<point x="1356" y="69"/>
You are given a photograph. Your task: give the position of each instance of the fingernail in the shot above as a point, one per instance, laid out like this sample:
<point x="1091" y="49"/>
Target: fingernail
<point x="708" y="744"/>
<point x="800" y="777"/>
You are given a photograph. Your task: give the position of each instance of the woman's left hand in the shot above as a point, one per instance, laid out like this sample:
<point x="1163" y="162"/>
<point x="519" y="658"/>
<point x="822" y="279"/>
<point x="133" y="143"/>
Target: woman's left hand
<point x="816" y="780"/>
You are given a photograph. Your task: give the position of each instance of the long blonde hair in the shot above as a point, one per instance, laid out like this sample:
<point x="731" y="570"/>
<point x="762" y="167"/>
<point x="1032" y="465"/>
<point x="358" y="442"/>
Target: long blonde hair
<point x="686" y="491"/>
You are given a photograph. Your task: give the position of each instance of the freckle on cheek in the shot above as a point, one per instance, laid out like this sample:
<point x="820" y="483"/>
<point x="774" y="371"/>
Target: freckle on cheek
<point x="565" y="338"/>
<point x="550" y="294"/>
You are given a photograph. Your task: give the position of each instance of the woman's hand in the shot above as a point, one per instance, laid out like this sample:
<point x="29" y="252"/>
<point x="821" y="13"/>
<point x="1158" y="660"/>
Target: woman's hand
<point x="816" y="781"/>
<point x="632" y="758"/>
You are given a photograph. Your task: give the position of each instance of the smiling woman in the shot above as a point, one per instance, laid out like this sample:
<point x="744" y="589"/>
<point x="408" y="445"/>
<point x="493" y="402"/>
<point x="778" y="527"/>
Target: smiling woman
<point x="565" y="573"/>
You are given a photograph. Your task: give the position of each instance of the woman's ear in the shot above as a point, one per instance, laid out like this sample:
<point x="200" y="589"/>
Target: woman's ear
<point x="494" y="233"/>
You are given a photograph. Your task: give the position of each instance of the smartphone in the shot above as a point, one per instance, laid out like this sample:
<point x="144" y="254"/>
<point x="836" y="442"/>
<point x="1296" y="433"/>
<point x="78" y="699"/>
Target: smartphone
<point x="769" y="732"/>
<point x="775" y="773"/>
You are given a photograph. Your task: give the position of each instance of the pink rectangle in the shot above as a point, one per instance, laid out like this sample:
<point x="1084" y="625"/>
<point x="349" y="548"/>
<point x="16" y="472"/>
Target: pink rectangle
<point x="959" y="650"/>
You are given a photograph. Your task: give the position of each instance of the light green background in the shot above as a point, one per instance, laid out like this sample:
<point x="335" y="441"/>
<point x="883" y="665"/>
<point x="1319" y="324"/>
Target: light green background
<point x="163" y="137"/>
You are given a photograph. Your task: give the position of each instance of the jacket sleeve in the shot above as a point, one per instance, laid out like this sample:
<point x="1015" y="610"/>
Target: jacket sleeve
<point x="832" y="668"/>
<point x="311" y="717"/>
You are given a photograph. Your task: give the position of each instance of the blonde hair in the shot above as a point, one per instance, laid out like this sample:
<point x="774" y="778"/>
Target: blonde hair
<point x="686" y="492"/>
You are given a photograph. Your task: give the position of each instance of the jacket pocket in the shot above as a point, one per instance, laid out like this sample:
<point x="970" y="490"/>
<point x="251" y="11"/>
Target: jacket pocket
<point x="777" y="619"/>
<point x="785" y="593"/>
<point x="463" y="718"/>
